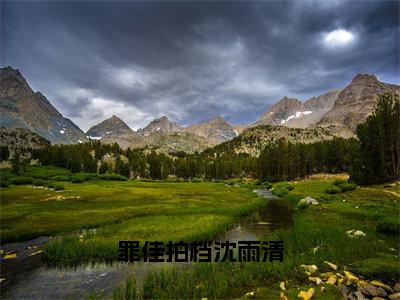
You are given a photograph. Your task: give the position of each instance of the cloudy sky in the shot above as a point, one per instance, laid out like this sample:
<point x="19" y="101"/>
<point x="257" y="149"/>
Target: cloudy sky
<point x="192" y="60"/>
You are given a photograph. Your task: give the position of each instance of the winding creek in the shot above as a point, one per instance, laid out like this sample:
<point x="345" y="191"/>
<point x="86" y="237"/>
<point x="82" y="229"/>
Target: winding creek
<point x="28" y="277"/>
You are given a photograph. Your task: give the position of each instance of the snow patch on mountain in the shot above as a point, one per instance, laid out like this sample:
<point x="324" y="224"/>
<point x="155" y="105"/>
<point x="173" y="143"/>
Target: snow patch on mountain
<point x="94" y="137"/>
<point x="297" y="115"/>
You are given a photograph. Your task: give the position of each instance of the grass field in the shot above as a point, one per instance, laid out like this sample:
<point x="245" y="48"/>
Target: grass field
<point x="322" y="227"/>
<point x="188" y="211"/>
<point x="119" y="210"/>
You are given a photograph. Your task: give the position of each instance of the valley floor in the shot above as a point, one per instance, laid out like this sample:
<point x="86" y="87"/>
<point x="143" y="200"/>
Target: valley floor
<point x="147" y="211"/>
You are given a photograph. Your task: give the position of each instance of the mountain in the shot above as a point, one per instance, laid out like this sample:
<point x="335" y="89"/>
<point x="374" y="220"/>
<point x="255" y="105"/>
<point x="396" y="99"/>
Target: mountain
<point x="355" y="102"/>
<point x="21" y="107"/>
<point x="279" y="113"/>
<point x="19" y="138"/>
<point x="313" y="110"/>
<point x="162" y="124"/>
<point x="168" y="142"/>
<point x="113" y="130"/>
<point x="293" y="113"/>
<point x="216" y="130"/>
<point x="253" y="139"/>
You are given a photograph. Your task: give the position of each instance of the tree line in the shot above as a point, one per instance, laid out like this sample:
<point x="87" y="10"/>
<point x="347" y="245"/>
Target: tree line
<point x="371" y="157"/>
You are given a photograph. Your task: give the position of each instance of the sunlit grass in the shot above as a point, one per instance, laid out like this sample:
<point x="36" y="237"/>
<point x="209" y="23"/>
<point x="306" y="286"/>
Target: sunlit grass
<point x="321" y="227"/>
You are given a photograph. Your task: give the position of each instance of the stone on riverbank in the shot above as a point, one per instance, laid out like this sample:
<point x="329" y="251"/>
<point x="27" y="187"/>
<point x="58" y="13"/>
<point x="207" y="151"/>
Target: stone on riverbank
<point x="308" y="201"/>
<point x="306" y="295"/>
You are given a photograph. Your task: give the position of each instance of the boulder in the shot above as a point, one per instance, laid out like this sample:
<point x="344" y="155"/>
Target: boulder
<point x="381" y="292"/>
<point x="283" y="296"/>
<point x="330" y="265"/>
<point x="371" y="289"/>
<point x="359" y="295"/>
<point x="395" y="296"/>
<point x="343" y="290"/>
<point x="317" y="280"/>
<point x="351" y="277"/>
<point x="355" y="232"/>
<point x="397" y="287"/>
<point x="310" y="268"/>
<point x="306" y="295"/>
<point x="309" y="201"/>
<point x="382" y="285"/>
<point x="331" y="280"/>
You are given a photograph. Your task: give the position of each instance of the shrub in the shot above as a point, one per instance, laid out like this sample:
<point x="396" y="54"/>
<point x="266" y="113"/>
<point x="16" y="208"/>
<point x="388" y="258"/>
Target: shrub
<point x="56" y="187"/>
<point x="384" y="266"/>
<point x="233" y="181"/>
<point x="77" y="179"/>
<point x="333" y="190"/>
<point x="113" y="177"/>
<point x="389" y="225"/>
<point x="263" y="184"/>
<point x="61" y="178"/>
<point x="88" y="176"/>
<point x="280" y="191"/>
<point x="285" y="185"/>
<point x="39" y="182"/>
<point x="338" y="182"/>
<point x="196" y="180"/>
<point x="4" y="183"/>
<point x="21" y="180"/>
<point x="347" y="187"/>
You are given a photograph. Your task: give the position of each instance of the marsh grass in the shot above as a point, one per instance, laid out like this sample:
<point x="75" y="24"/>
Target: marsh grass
<point x="120" y="210"/>
<point x="322" y="228"/>
<point x="127" y="291"/>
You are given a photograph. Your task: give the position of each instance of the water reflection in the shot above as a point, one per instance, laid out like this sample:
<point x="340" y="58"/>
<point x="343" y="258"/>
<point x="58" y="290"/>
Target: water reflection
<point x="44" y="282"/>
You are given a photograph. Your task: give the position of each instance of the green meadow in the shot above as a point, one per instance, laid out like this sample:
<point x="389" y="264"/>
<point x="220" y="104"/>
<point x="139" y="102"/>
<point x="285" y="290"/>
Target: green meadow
<point x="118" y="210"/>
<point x="174" y="211"/>
<point x="318" y="234"/>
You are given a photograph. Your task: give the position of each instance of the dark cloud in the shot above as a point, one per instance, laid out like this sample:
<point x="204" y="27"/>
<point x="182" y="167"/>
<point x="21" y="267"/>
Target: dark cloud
<point x="194" y="60"/>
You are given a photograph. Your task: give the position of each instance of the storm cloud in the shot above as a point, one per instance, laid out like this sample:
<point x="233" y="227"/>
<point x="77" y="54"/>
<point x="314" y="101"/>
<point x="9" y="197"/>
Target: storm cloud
<point x="192" y="61"/>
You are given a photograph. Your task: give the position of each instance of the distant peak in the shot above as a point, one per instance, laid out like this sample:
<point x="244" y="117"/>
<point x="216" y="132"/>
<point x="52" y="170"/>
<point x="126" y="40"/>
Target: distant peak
<point x="114" y="117"/>
<point x="288" y="99"/>
<point x="160" y="119"/>
<point x="10" y="71"/>
<point x="218" y="119"/>
<point x="365" y="78"/>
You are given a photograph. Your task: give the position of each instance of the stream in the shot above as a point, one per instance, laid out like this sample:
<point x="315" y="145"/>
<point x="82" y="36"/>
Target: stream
<point x="27" y="277"/>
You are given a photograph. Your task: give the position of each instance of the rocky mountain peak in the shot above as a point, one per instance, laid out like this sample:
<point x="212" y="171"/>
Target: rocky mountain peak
<point x="364" y="78"/>
<point x="355" y="102"/>
<point x="162" y="124"/>
<point x="280" y="111"/>
<point x="23" y="108"/>
<point x="10" y="72"/>
<point x="218" y="119"/>
<point x="112" y="130"/>
<point x="216" y="129"/>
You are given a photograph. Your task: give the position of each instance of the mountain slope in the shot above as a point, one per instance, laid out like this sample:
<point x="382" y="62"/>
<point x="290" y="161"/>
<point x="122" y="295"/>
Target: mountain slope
<point x="173" y="142"/>
<point x="162" y="124"/>
<point x="278" y="113"/>
<point x="293" y="113"/>
<point x="217" y="130"/>
<point x="21" y="107"/>
<point x="113" y="130"/>
<point x="253" y="139"/>
<point x="19" y="138"/>
<point x="313" y="110"/>
<point x="355" y="102"/>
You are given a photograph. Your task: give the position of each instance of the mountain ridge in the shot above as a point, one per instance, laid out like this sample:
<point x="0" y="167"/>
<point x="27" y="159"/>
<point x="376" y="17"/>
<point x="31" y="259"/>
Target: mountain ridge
<point x="21" y="107"/>
<point x="338" y="111"/>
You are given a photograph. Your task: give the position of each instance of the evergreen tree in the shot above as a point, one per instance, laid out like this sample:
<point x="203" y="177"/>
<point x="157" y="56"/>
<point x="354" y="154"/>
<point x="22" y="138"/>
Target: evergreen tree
<point x="379" y="137"/>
